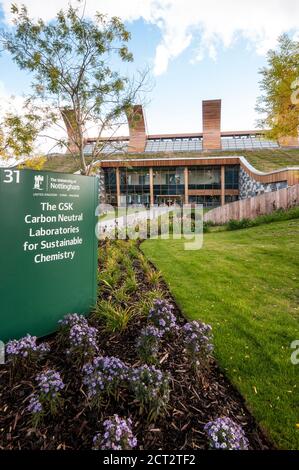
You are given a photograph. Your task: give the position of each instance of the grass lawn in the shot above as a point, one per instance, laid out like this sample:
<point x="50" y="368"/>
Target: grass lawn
<point x="245" y="284"/>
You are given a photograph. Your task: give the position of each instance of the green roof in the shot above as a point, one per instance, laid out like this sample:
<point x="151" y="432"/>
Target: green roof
<point x="263" y="160"/>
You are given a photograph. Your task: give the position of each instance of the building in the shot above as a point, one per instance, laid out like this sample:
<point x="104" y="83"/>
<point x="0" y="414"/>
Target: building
<point x="172" y="168"/>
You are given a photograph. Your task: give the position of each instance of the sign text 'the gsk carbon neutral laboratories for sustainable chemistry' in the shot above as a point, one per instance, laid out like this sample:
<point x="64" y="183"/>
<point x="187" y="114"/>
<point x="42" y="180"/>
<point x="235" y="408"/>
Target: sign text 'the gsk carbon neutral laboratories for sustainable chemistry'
<point x="48" y="249"/>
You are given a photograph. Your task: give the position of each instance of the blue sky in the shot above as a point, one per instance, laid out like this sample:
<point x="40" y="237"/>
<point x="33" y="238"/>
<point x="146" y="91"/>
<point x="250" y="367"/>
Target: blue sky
<point x="197" y="50"/>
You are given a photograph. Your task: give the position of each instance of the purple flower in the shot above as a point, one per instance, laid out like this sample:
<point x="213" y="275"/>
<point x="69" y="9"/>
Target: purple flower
<point x="104" y="374"/>
<point x="26" y="347"/>
<point x="72" y="319"/>
<point x="47" y="396"/>
<point x="198" y="341"/>
<point x="224" y="433"/>
<point x="35" y="405"/>
<point x="150" y="387"/>
<point x="49" y="383"/>
<point x="117" y="435"/>
<point x="161" y="316"/>
<point x="82" y="340"/>
<point x="148" y="343"/>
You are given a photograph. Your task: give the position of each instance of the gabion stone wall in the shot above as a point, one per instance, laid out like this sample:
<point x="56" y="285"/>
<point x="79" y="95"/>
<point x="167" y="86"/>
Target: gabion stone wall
<point x="248" y="187"/>
<point x="101" y="179"/>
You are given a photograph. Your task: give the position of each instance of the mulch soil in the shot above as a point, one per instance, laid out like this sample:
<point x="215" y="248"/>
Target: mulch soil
<point x="195" y="399"/>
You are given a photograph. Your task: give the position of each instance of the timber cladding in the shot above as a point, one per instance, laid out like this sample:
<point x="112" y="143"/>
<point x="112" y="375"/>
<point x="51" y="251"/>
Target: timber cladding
<point x="211" y="119"/>
<point x="137" y="129"/>
<point x="157" y="162"/>
<point x="255" y="206"/>
<point x="291" y="175"/>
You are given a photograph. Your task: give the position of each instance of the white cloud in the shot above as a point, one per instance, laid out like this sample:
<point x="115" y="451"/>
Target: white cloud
<point x="209" y="23"/>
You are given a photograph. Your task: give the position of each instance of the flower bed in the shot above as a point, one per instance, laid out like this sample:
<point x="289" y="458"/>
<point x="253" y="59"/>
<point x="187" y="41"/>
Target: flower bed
<point x="135" y="374"/>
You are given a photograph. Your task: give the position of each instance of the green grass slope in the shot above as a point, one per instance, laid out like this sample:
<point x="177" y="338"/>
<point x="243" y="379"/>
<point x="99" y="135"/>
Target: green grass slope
<point x="264" y="160"/>
<point x="245" y="284"/>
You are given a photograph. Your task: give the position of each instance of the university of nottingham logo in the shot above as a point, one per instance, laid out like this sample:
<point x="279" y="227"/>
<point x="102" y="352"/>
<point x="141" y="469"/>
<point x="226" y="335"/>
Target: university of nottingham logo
<point x="38" y="181"/>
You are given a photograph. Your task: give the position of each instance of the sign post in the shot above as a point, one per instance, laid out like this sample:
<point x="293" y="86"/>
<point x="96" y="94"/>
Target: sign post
<point x="48" y="249"/>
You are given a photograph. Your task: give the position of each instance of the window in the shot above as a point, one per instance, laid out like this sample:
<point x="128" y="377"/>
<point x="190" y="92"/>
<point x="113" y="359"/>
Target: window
<point x="232" y="177"/>
<point x="205" y="177"/>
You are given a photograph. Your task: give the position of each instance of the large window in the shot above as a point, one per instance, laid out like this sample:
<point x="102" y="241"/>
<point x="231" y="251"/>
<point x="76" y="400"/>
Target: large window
<point x="205" y="177"/>
<point x="232" y="177"/>
<point x="134" y="185"/>
<point x="168" y="182"/>
<point x="110" y="186"/>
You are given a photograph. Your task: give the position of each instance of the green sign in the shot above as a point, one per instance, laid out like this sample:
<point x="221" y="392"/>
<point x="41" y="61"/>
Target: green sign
<point x="48" y="249"/>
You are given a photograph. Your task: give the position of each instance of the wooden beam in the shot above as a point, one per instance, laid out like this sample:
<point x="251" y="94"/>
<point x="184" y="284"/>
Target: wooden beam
<point x="186" y="182"/>
<point x="222" y="185"/>
<point x="151" y="178"/>
<point x="118" y="186"/>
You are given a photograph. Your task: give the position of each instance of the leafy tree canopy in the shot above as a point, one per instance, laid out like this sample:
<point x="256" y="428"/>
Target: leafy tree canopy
<point x="279" y="101"/>
<point x="76" y="64"/>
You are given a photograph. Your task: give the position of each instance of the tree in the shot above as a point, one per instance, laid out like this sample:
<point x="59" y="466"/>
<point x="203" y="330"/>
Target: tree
<point x="280" y="86"/>
<point x="73" y="61"/>
<point x="18" y="133"/>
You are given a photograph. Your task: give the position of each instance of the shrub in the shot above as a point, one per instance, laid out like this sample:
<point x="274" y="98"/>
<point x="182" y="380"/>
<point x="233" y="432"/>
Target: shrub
<point x="153" y="277"/>
<point x="115" y="317"/>
<point x="131" y="284"/>
<point x="146" y="302"/>
<point x="276" y="216"/>
<point x="198" y="341"/>
<point x="69" y="321"/>
<point x="104" y="375"/>
<point x="239" y="224"/>
<point x="82" y="342"/>
<point x="47" y="398"/>
<point x="148" y="343"/>
<point x="224" y="433"/>
<point x="120" y="296"/>
<point x="161" y="315"/>
<point x="117" y="435"/>
<point x="25" y="350"/>
<point x="150" y="387"/>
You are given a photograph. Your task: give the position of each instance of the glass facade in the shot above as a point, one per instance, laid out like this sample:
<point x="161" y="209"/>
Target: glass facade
<point x="169" y="184"/>
<point x="208" y="177"/>
<point x="135" y="186"/>
<point x="110" y="186"/>
<point x="232" y="177"/>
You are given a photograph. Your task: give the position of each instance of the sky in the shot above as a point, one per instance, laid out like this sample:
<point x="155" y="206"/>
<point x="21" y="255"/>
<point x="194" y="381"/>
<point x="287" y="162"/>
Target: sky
<point x="196" y="50"/>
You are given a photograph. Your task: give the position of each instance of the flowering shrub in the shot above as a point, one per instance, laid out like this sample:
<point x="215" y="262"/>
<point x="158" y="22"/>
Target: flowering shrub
<point x="150" y="387"/>
<point x="25" y="349"/>
<point x="224" y="433"/>
<point x="104" y="375"/>
<point x="148" y="343"/>
<point x="161" y="315"/>
<point x="47" y="398"/>
<point x="198" y="341"/>
<point x="71" y="320"/>
<point x="118" y="435"/>
<point x="81" y="338"/>
<point x="83" y="341"/>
